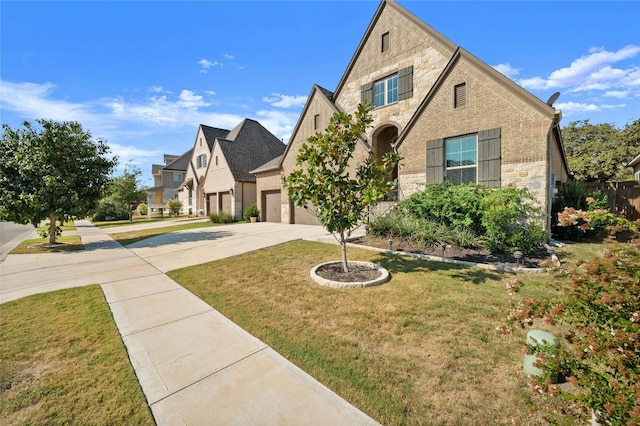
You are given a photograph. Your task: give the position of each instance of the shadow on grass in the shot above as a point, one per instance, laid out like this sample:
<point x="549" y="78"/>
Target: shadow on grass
<point x="395" y="263"/>
<point x="174" y="238"/>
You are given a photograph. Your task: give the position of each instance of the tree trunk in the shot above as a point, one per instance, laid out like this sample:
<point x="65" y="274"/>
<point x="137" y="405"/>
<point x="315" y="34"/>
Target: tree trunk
<point x="52" y="228"/>
<point x="343" y="245"/>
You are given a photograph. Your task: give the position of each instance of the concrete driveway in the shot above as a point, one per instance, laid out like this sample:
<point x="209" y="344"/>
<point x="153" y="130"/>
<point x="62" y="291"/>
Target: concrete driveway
<point x="196" y="246"/>
<point x="105" y="260"/>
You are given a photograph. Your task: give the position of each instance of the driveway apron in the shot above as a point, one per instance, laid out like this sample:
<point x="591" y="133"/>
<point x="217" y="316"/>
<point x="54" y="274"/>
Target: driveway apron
<point x="194" y="365"/>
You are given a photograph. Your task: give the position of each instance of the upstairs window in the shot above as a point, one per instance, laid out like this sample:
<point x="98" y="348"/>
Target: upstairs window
<point x="461" y="155"/>
<point x="177" y="177"/>
<point x="202" y="160"/>
<point x="385" y="91"/>
<point x="385" y="42"/>
<point x="460" y="95"/>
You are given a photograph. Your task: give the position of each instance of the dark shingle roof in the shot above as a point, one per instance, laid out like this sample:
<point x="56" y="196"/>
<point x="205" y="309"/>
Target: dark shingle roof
<point x="211" y="133"/>
<point x="180" y="163"/>
<point x="247" y="147"/>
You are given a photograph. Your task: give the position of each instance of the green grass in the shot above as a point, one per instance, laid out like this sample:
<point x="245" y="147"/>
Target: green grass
<point x="421" y="349"/>
<point x="41" y="245"/>
<point x="63" y="362"/>
<point x="126" y="238"/>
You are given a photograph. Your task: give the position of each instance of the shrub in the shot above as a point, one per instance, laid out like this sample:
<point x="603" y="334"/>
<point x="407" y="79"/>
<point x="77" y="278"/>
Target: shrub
<point x="456" y="206"/>
<point x="221" y="217"/>
<point x="505" y="218"/>
<point x="574" y="195"/>
<point x="600" y="311"/>
<point x="251" y="211"/>
<point x="109" y="210"/>
<point x="174" y="207"/>
<point x="143" y="210"/>
<point x="511" y="221"/>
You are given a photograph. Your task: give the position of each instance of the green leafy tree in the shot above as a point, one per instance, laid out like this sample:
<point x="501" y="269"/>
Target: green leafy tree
<point x="340" y="197"/>
<point x="601" y="152"/>
<point x="127" y="189"/>
<point x="51" y="171"/>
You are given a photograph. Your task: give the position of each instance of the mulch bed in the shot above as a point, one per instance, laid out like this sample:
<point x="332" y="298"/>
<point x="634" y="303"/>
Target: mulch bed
<point x="357" y="273"/>
<point x="532" y="260"/>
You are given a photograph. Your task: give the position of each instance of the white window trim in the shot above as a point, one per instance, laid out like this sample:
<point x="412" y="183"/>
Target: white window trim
<point x="474" y="166"/>
<point x="385" y="83"/>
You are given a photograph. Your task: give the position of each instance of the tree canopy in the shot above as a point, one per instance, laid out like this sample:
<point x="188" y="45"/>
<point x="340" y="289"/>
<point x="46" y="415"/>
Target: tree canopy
<point x="51" y="170"/>
<point x="601" y="152"/>
<point x="326" y="185"/>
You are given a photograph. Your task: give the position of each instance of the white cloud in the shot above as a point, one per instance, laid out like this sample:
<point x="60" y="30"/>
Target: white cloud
<point x="206" y="64"/>
<point x="571" y="108"/>
<point x="280" y="123"/>
<point x="210" y="92"/>
<point x="285" y="101"/>
<point x="229" y="57"/>
<point x="591" y="72"/>
<point x="507" y="70"/>
<point x="618" y="94"/>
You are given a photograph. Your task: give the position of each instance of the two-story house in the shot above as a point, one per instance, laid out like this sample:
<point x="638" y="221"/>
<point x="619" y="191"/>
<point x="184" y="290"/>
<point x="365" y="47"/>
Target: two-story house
<point x="167" y="178"/>
<point x="447" y="113"/>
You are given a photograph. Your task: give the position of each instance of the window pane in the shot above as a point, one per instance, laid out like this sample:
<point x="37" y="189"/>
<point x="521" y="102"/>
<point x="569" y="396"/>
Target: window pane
<point x="379" y="93"/>
<point x="392" y="89"/>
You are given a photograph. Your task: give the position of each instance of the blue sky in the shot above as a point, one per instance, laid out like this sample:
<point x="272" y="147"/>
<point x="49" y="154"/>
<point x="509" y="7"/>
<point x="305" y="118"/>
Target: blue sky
<point x="142" y="75"/>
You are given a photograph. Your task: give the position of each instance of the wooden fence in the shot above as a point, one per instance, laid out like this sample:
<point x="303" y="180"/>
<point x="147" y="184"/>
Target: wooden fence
<point x="624" y="197"/>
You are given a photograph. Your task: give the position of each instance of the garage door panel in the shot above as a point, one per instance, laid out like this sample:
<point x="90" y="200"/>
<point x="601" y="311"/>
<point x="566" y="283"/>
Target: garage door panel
<point x="272" y="207"/>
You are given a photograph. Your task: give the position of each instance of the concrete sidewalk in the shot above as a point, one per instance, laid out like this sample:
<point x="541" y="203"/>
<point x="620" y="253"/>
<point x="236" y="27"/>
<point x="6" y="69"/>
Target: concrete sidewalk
<point x="194" y="365"/>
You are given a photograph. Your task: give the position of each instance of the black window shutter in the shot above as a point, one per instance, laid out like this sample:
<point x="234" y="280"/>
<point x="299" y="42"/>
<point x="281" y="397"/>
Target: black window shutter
<point x="489" y="158"/>
<point x="405" y="83"/>
<point x="435" y="161"/>
<point x="366" y="93"/>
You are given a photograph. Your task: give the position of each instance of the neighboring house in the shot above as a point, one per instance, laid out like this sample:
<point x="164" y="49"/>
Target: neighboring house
<point x="219" y="178"/>
<point x="635" y="164"/>
<point x="447" y="113"/>
<point x="167" y="179"/>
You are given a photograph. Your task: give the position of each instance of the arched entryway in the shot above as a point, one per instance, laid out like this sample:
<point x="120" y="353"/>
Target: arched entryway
<point x="382" y="143"/>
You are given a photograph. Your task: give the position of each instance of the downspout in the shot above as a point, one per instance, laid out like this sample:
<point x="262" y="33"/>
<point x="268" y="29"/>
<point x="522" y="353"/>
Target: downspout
<point x="551" y="185"/>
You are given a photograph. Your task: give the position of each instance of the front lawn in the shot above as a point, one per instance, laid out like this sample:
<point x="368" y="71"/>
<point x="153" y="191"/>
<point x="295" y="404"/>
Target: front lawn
<point x="130" y="237"/>
<point x="63" y="362"/>
<point x="41" y="245"/>
<point x="422" y="349"/>
<point x="136" y="220"/>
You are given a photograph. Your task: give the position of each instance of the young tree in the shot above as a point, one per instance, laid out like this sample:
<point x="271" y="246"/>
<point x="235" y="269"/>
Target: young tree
<point x="601" y="152"/>
<point x="52" y="171"/>
<point x="126" y="189"/>
<point x="340" y="198"/>
<point x="175" y="207"/>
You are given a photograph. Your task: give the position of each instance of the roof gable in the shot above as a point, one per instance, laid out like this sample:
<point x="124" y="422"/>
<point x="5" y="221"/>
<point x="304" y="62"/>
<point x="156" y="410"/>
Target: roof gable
<point x="252" y="146"/>
<point x="385" y="6"/>
<point x="488" y="72"/>
<point x="180" y="162"/>
<point x="211" y="133"/>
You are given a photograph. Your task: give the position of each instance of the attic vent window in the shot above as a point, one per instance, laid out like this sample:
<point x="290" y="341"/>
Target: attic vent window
<point x="385" y="42"/>
<point x="316" y="122"/>
<point x="460" y="95"/>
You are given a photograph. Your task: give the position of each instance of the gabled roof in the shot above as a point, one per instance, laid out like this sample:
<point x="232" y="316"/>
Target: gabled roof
<point x="327" y="95"/>
<point x="211" y="133"/>
<point x="268" y="166"/>
<point x="401" y="10"/>
<point x="489" y="72"/>
<point x="634" y="162"/>
<point x="180" y="162"/>
<point x="252" y="145"/>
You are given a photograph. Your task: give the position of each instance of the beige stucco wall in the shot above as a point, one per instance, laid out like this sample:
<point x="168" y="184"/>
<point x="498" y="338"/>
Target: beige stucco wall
<point x="490" y="104"/>
<point x="267" y="181"/>
<point x="197" y="174"/>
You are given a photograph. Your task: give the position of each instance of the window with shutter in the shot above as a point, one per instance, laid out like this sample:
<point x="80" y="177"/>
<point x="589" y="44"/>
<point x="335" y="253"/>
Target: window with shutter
<point x="489" y="158"/>
<point x="461" y="154"/>
<point x="405" y="83"/>
<point x="435" y="161"/>
<point x="460" y="95"/>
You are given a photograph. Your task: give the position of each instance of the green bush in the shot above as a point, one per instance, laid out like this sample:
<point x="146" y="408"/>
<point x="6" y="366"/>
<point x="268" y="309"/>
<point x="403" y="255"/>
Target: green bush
<point x="511" y="221"/>
<point x="456" y="206"/>
<point x="174" y="207"/>
<point x="143" y="210"/>
<point x="504" y="219"/>
<point x="251" y="211"/>
<point x="574" y="195"/>
<point x="109" y="209"/>
<point x="221" y="217"/>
